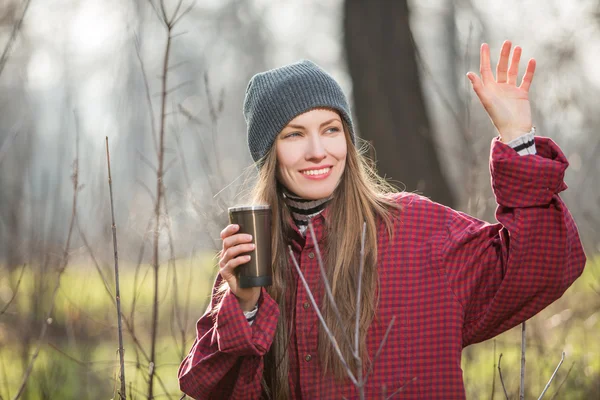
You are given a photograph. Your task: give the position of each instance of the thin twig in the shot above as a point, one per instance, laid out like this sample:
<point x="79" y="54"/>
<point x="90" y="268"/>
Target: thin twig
<point x="501" y="378"/>
<point x="562" y="382"/>
<point x="14" y="292"/>
<point x="138" y="52"/>
<point x="176" y="9"/>
<point x="95" y="262"/>
<point x="7" y="143"/>
<point x="523" y="347"/>
<point x="158" y="202"/>
<point x="494" y="373"/>
<point x="400" y="389"/>
<point x="176" y="35"/>
<point x="562" y="358"/>
<point x="185" y="12"/>
<point x="179" y="64"/>
<point x="359" y="365"/>
<point x="381" y="345"/>
<point x="173" y="264"/>
<point x="327" y="286"/>
<point x="13" y="36"/>
<point x="146" y="161"/>
<point x="62" y="268"/>
<point x="160" y="18"/>
<point x="122" y="393"/>
<point x="320" y="316"/>
<point x="179" y="86"/>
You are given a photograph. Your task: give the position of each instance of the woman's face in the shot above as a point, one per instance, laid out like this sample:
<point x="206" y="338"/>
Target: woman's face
<point x="311" y="153"/>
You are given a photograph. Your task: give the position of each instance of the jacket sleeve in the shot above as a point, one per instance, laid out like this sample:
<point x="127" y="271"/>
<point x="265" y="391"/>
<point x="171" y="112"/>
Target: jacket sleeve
<point x="504" y="273"/>
<point x="226" y="359"/>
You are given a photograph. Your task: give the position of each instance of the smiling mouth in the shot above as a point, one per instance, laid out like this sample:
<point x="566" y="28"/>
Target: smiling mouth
<point x="316" y="172"/>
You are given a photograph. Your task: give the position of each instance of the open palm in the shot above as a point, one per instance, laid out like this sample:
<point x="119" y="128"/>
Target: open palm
<point x="506" y="103"/>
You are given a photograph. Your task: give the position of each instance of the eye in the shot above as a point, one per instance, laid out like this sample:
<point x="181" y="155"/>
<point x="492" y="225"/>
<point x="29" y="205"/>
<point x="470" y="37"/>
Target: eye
<point x="333" y="129"/>
<point x="291" y="134"/>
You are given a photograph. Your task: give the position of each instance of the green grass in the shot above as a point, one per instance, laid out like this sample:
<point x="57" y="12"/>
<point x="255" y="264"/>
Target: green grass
<point x="80" y="360"/>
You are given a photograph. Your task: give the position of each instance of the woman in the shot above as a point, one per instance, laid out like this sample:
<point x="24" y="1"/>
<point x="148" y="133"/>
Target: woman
<point x="440" y="279"/>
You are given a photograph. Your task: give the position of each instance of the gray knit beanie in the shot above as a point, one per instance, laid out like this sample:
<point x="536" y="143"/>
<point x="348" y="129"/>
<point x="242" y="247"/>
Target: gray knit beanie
<point x="275" y="97"/>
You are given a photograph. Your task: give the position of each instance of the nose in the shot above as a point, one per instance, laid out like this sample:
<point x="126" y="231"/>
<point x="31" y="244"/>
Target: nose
<point x="316" y="149"/>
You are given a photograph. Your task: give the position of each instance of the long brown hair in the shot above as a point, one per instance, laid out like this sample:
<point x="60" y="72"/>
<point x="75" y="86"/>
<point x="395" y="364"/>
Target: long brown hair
<point x="361" y="196"/>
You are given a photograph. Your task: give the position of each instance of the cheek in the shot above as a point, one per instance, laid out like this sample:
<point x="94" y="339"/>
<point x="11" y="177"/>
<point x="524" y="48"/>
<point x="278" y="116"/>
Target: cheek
<point x="340" y="149"/>
<point x="283" y="158"/>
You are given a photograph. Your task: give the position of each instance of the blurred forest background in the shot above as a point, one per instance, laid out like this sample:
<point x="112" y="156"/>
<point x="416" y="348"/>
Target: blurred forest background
<point x="165" y="83"/>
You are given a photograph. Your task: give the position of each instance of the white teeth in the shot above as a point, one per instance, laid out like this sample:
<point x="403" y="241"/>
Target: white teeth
<point x="316" y="171"/>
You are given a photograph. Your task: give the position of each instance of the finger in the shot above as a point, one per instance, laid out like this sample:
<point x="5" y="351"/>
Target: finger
<point x="229" y="230"/>
<point x="502" y="67"/>
<point x="513" y="71"/>
<point x="233" y="264"/>
<point x="236" y="239"/>
<point x="235" y="251"/>
<point x="528" y="77"/>
<point x="484" y="64"/>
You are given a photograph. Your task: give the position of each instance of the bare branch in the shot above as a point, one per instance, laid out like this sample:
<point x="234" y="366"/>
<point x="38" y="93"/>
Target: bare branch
<point x="96" y="264"/>
<point x="562" y="358"/>
<point x="501" y="378"/>
<point x="14" y="292"/>
<point x="176" y="35"/>
<point x="146" y="188"/>
<point x="169" y="165"/>
<point x="400" y="389"/>
<point x="190" y="116"/>
<point x="122" y="393"/>
<point x="183" y="14"/>
<point x="160" y="18"/>
<point x="562" y="382"/>
<point x="381" y="346"/>
<point x="176" y="11"/>
<point x="164" y="13"/>
<point x="158" y="205"/>
<point x="13" y="36"/>
<point x="523" y="347"/>
<point x="7" y="143"/>
<point x="494" y="373"/>
<point x="147" y="90"/>
<point x="62" y="268"/>
<point x="177" y="65"/>
<point x="320" y="316"/>
<point x="179" y="86"/>
<point x="146" y="161"/>
<point x="361" y="268"/>
<point x="336" y="310"/>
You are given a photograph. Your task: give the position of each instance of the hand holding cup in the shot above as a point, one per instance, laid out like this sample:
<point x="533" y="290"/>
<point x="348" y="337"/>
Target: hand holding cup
<point x="234" y="253"/>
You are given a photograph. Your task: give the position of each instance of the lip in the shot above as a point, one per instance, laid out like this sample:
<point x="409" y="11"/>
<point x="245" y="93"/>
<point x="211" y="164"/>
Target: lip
<point x="317" y="177"/>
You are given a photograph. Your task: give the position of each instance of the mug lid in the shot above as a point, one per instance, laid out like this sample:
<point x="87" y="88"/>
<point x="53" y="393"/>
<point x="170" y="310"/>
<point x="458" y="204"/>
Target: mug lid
<point x="258" y="207"/>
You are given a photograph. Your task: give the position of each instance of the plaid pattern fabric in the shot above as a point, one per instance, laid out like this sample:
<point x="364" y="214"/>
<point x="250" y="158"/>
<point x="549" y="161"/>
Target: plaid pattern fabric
<point x="449" y="279"/>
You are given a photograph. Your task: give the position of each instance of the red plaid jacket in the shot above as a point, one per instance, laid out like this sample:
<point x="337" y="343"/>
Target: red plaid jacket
<point x="449" y="279"/>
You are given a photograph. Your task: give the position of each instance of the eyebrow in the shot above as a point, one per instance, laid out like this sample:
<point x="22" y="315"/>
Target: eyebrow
<point x="320" y="126"/>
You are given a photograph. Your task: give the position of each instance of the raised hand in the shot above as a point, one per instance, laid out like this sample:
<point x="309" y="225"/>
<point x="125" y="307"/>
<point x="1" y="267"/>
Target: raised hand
<point x="506" y="103"/>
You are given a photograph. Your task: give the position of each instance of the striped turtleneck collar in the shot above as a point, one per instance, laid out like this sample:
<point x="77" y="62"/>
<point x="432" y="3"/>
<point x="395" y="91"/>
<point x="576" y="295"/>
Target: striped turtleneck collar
<point x="303" y="210"/>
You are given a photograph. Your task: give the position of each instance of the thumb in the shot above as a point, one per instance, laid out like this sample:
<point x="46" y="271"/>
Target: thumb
<point x="476" y="82"/>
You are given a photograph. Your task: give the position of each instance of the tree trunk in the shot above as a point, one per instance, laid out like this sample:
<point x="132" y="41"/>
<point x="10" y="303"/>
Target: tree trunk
<point x="388" y="98"/>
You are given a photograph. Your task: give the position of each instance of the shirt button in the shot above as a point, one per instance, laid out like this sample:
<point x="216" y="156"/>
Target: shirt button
<point x="306" y="305"/>
<point x="308" y="357"/>
<point x="311" y="255"/>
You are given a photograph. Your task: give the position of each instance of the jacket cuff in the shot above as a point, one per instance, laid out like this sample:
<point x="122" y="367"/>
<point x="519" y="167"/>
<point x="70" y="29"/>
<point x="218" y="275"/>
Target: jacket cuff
<point x="527" y="181"/>
<point x="236" y="336"/>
